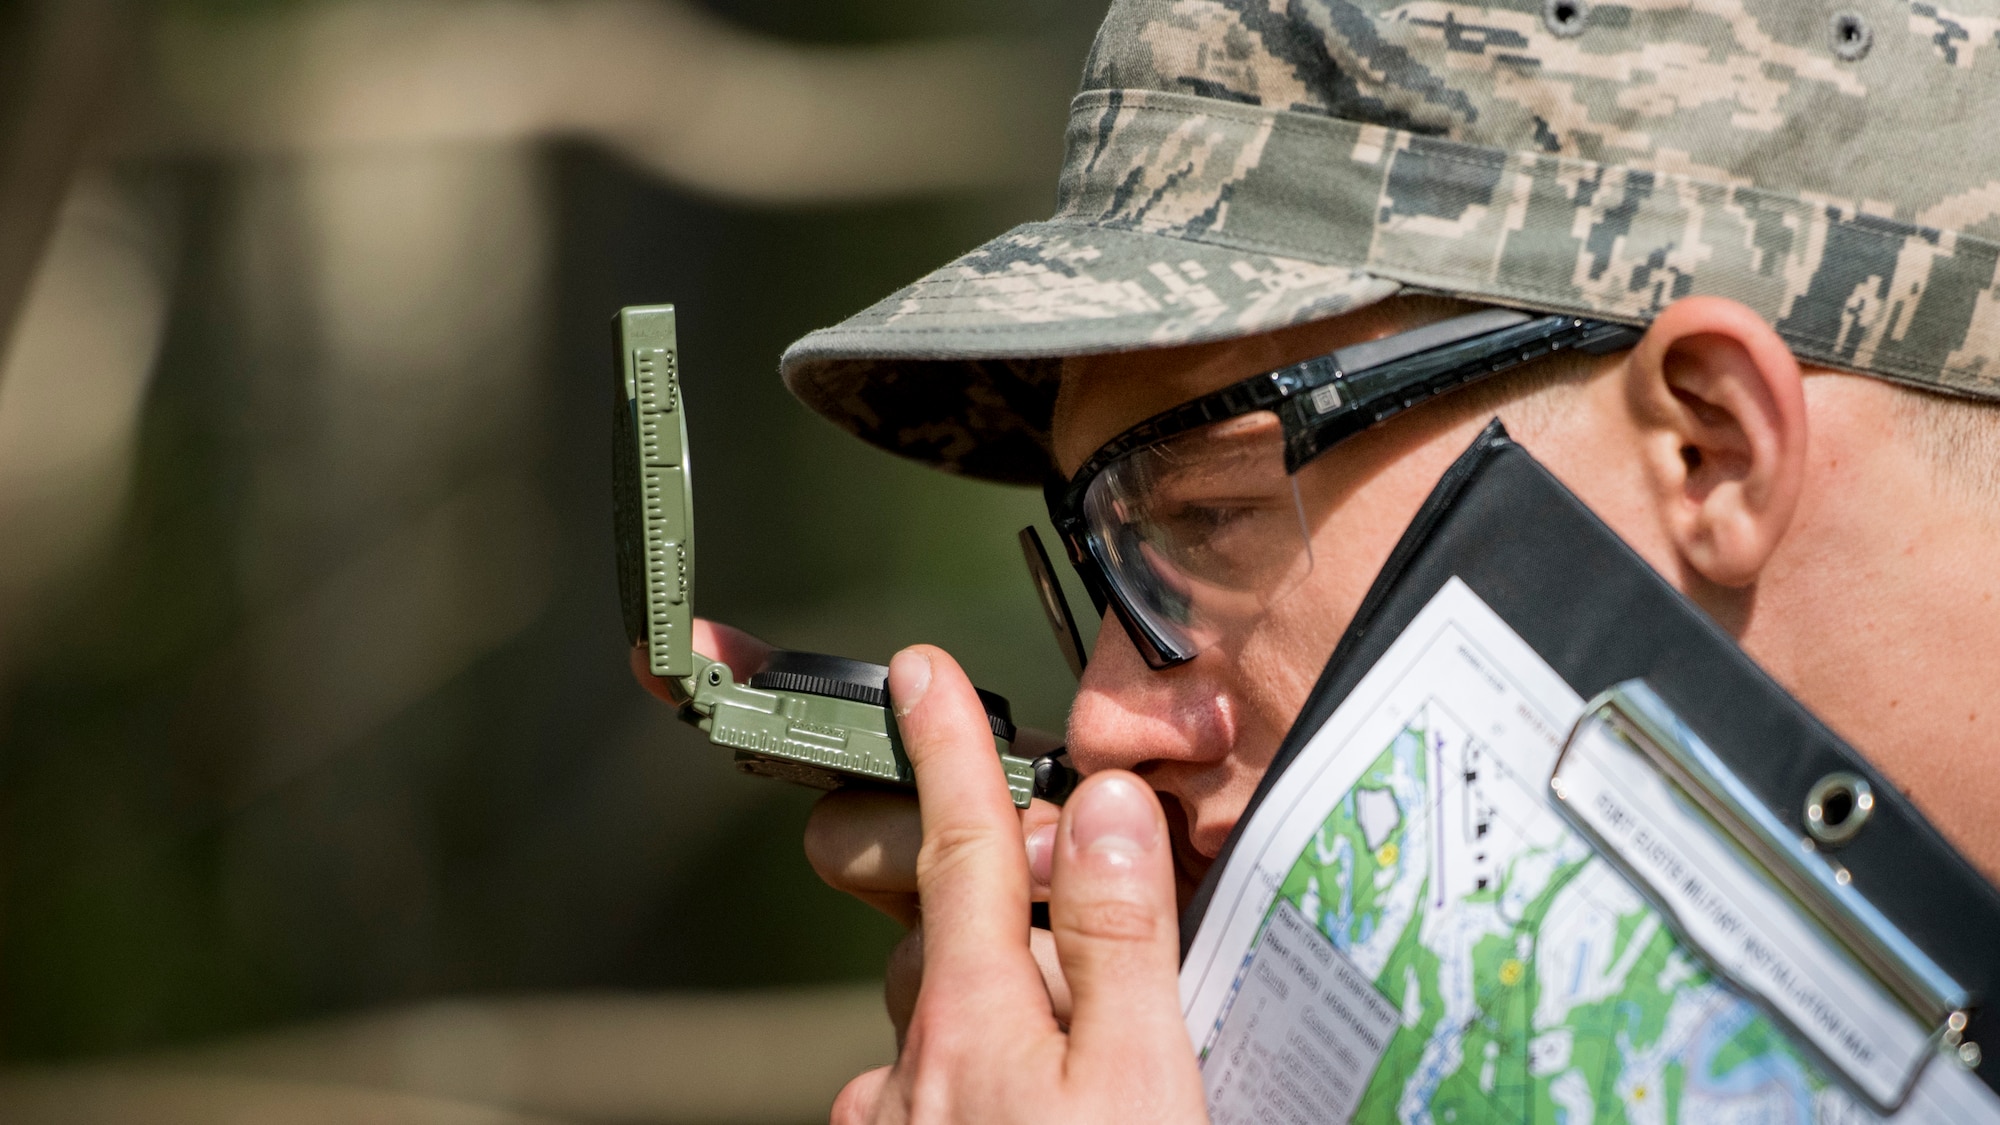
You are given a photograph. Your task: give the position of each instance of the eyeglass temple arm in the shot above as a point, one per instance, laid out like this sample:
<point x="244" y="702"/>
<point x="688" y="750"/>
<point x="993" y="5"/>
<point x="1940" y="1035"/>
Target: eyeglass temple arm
<point x="1363" y="386"/>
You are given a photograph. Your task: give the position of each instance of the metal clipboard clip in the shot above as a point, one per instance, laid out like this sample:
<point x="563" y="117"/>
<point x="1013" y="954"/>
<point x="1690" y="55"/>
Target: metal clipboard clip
<point x="1763" y="903"/>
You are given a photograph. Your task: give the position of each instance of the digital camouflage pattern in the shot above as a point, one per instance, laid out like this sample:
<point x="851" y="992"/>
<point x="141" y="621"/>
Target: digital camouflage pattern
<point x="1239" y="165"/>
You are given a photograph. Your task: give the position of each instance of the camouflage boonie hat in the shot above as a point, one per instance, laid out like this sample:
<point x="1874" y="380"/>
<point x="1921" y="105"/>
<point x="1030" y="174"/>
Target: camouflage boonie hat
<point x="1239" y="165"/>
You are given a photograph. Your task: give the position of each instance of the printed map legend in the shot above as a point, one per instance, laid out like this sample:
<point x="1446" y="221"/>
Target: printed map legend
<point x="1303" y="1035"/>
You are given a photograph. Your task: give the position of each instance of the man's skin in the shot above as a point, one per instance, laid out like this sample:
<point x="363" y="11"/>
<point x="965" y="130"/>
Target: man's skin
<point x="1796" y="507"/>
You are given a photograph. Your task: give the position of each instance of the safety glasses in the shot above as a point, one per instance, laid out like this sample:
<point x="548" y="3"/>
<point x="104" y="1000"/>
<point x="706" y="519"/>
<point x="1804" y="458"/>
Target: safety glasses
<point x="1191" y="524"/>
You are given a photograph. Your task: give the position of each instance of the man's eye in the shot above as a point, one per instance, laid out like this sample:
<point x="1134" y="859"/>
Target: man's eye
<point x="1205" y="520"/>
<point x="1231" y="536"/>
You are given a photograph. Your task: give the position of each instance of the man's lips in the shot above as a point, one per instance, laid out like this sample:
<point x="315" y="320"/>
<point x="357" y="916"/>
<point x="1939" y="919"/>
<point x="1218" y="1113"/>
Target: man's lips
<point x="1190" y="864"/>
<point x="1208" y="802"/>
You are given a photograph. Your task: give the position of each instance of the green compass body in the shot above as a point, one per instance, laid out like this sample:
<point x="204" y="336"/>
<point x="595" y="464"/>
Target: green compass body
<point x="822" y="721"/>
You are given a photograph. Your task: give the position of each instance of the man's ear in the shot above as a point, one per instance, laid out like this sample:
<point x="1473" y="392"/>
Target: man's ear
<point x="1719" y="403"/>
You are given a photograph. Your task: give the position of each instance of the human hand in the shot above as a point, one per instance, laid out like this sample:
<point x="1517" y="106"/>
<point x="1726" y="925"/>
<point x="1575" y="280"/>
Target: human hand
<point x="864" y="842"/>
<point x="984" y="1043"/>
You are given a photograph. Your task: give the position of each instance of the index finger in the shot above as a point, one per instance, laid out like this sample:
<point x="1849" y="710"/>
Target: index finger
<point x="972" y="869"/>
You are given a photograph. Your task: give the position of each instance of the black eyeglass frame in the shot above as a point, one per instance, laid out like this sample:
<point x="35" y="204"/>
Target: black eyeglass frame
<point x="1321" y="402"/>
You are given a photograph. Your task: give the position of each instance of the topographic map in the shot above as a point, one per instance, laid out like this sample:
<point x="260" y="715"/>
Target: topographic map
<point x="1428" y="940"/>
<point x="1533" y="984"/>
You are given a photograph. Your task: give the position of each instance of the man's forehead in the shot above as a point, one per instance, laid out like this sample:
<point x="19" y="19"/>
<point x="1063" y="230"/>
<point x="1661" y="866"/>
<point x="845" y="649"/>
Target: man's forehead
<point x="1101" y="396"/>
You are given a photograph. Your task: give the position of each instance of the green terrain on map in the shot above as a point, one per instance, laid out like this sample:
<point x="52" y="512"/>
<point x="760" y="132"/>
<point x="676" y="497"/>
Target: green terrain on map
<point x="1552" y="994"/>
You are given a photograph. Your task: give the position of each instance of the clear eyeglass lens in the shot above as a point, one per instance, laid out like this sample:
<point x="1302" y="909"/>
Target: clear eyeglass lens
<point x="1202" y="532"/>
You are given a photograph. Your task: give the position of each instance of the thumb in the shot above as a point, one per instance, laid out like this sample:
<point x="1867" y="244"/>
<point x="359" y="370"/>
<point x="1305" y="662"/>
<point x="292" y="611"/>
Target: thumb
<point x="1111" y="909"/>
<point x="860" y="1101"/>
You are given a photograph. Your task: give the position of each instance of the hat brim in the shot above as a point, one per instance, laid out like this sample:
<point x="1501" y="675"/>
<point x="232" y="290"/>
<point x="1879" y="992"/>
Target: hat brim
<point x="960" y="368"/>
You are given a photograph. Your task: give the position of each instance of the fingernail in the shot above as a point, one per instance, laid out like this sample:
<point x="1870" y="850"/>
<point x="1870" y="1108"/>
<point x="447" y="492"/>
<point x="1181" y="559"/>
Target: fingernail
<point x="1114" y="818"/>
<point x="1042" y="854"/>
<point x="909" y="679"/>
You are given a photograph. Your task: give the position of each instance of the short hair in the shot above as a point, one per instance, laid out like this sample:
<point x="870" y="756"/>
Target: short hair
<point x="1960" y="437"/>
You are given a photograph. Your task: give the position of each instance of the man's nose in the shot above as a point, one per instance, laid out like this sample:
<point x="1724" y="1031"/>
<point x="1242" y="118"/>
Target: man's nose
<point x="1128" y="715"/>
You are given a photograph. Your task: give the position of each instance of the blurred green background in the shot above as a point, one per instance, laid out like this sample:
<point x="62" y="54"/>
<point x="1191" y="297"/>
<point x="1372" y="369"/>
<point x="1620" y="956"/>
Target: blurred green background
<point x="313" y="695"/>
